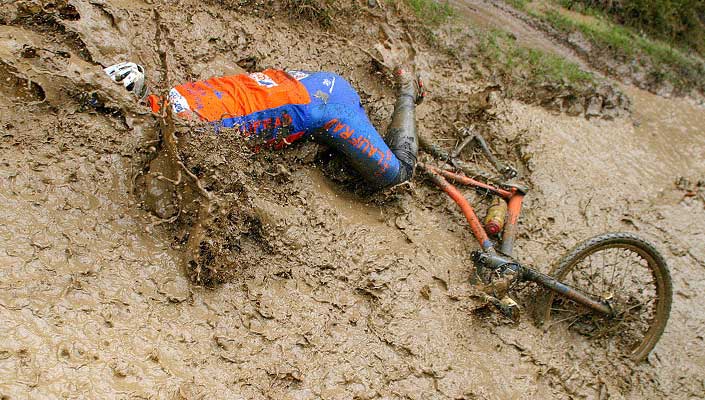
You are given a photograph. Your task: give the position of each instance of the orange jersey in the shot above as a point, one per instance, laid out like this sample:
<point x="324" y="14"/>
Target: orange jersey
<point x="234" y="96"/>
<point x="276" y="108"/>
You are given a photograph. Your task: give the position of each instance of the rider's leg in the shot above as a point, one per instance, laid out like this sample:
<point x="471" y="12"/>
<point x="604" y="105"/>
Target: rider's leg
<point x="336" y="107"/>
<point x="401" y="133"/>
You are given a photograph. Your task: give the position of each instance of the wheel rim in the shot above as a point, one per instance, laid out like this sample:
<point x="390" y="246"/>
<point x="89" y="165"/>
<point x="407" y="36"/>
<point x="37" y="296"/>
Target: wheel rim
<point x="625" y="275"/>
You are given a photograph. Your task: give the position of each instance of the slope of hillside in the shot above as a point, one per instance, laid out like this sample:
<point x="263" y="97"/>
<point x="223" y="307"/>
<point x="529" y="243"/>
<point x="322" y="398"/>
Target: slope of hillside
<point x="324" y="290"/>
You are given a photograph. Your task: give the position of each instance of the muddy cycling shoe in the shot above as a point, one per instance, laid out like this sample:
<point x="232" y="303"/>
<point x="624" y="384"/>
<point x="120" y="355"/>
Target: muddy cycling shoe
<point x="410" y="84"/>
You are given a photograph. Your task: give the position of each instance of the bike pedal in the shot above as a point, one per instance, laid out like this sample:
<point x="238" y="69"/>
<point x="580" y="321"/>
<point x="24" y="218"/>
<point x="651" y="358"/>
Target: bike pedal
<point x="510" y="308"/>
<point x="507" y="306"/>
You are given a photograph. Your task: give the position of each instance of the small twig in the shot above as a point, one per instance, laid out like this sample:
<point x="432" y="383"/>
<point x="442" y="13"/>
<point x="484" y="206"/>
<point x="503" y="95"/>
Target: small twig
<point x="175" y="182"/>
<point x="468" y="138"/>
<point x="160" y="221"/>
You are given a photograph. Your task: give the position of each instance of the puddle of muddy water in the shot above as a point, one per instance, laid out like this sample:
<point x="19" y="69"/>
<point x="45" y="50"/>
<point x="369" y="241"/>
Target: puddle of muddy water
<point x="673" y="130"/>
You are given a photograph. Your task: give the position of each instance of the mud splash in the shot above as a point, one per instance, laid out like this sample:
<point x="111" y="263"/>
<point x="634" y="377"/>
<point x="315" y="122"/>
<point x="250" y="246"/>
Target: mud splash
<point x="331" y="293"/>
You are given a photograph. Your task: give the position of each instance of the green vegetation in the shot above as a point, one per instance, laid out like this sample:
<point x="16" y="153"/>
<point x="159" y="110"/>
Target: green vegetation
<point x="680" y="22"/>
<point x="316" y="11"/>
<point x="518" y="4"/>
<point x="666" y="62"/>
<point x="432" y="12"/>
<point x="669" y="63"/>
<point x="502" y="51"/>
<point x="527" y="74"/>
<point x="597" y="31"/>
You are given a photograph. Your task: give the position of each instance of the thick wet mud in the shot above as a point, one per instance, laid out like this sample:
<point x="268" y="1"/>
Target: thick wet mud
<point x="326" y="291"/>
<point x="592" y="177"/>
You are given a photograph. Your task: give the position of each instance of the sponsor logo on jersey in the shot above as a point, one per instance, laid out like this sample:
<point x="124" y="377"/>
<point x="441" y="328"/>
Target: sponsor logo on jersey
<point x="330" y="83"/>
<point x="263" y="80"/>
<point x="298" y="75"/>
<point x="178" y="102"/>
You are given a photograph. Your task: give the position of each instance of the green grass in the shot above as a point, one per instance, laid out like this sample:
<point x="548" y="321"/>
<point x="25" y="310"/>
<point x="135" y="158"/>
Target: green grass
<point x="612" y="35"/>
<point x="669" y="63"/>
<point x="536" y="66"/>
<point x="677" y="22"/>
<point x="518" y="4"/>
<point x="432" y="12"/>
<point x="500" y="50"/>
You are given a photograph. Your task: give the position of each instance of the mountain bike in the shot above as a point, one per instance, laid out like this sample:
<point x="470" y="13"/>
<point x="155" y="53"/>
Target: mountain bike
<point x="614" y="287"/>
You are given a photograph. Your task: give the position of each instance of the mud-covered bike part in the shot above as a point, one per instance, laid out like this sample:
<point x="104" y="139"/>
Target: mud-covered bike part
<point x="637" y="286"/>
<point x="604" y="313"/>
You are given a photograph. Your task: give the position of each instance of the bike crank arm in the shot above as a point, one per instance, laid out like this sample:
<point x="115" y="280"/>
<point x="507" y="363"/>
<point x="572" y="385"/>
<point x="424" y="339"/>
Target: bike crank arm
<point x="568" y="292"/>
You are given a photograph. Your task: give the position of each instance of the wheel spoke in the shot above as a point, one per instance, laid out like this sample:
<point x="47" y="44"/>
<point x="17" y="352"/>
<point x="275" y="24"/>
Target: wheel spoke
<point x="624" y="274"/>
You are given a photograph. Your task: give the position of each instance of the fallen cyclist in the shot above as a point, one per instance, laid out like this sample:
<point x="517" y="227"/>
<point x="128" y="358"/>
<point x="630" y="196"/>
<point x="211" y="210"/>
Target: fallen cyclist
<point x="280" y="107"/>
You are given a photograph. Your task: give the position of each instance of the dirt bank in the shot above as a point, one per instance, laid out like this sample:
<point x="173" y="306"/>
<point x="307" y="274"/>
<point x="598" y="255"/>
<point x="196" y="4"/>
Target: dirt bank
<point x="331" y="292"/>
<point x="623" y="54"/>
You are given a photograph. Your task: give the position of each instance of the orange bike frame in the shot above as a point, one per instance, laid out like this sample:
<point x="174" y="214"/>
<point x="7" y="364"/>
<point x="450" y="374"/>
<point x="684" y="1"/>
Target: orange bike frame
<point x="512" y="195"/>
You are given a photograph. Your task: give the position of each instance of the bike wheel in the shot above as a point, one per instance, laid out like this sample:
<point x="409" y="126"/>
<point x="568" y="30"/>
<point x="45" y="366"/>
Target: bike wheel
<point x="628" y="272"/>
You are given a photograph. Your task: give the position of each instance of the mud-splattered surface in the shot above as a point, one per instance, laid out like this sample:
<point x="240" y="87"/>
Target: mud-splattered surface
<point x="332" y="294"/>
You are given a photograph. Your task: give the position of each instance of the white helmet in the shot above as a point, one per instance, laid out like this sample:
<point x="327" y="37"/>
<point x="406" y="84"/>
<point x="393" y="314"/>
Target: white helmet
<point x="131" y="76"/>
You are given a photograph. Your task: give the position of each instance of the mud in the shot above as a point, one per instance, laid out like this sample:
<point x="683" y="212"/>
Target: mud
<point x="496" y="15"/>
<point x="327" y="291"/>
<point x="599" y="98"/>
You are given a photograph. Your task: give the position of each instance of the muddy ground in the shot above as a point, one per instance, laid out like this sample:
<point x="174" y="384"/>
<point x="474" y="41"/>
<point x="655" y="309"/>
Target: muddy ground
<point x="329" y="292"/>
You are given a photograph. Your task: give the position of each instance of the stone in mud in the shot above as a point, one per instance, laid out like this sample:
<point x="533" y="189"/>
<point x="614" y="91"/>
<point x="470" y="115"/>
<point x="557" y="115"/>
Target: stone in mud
<point x="578" y="41"/>
<point x="610" y="113"/>
<point x="494" y="98"/>
<point x="665" y="89"/>
<point x="576" y="107"/>
<point x="484" y="99"/>
<point x="557" y="104"/>
<point x="594" y="107"/>
<point x="27" y="8"/>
